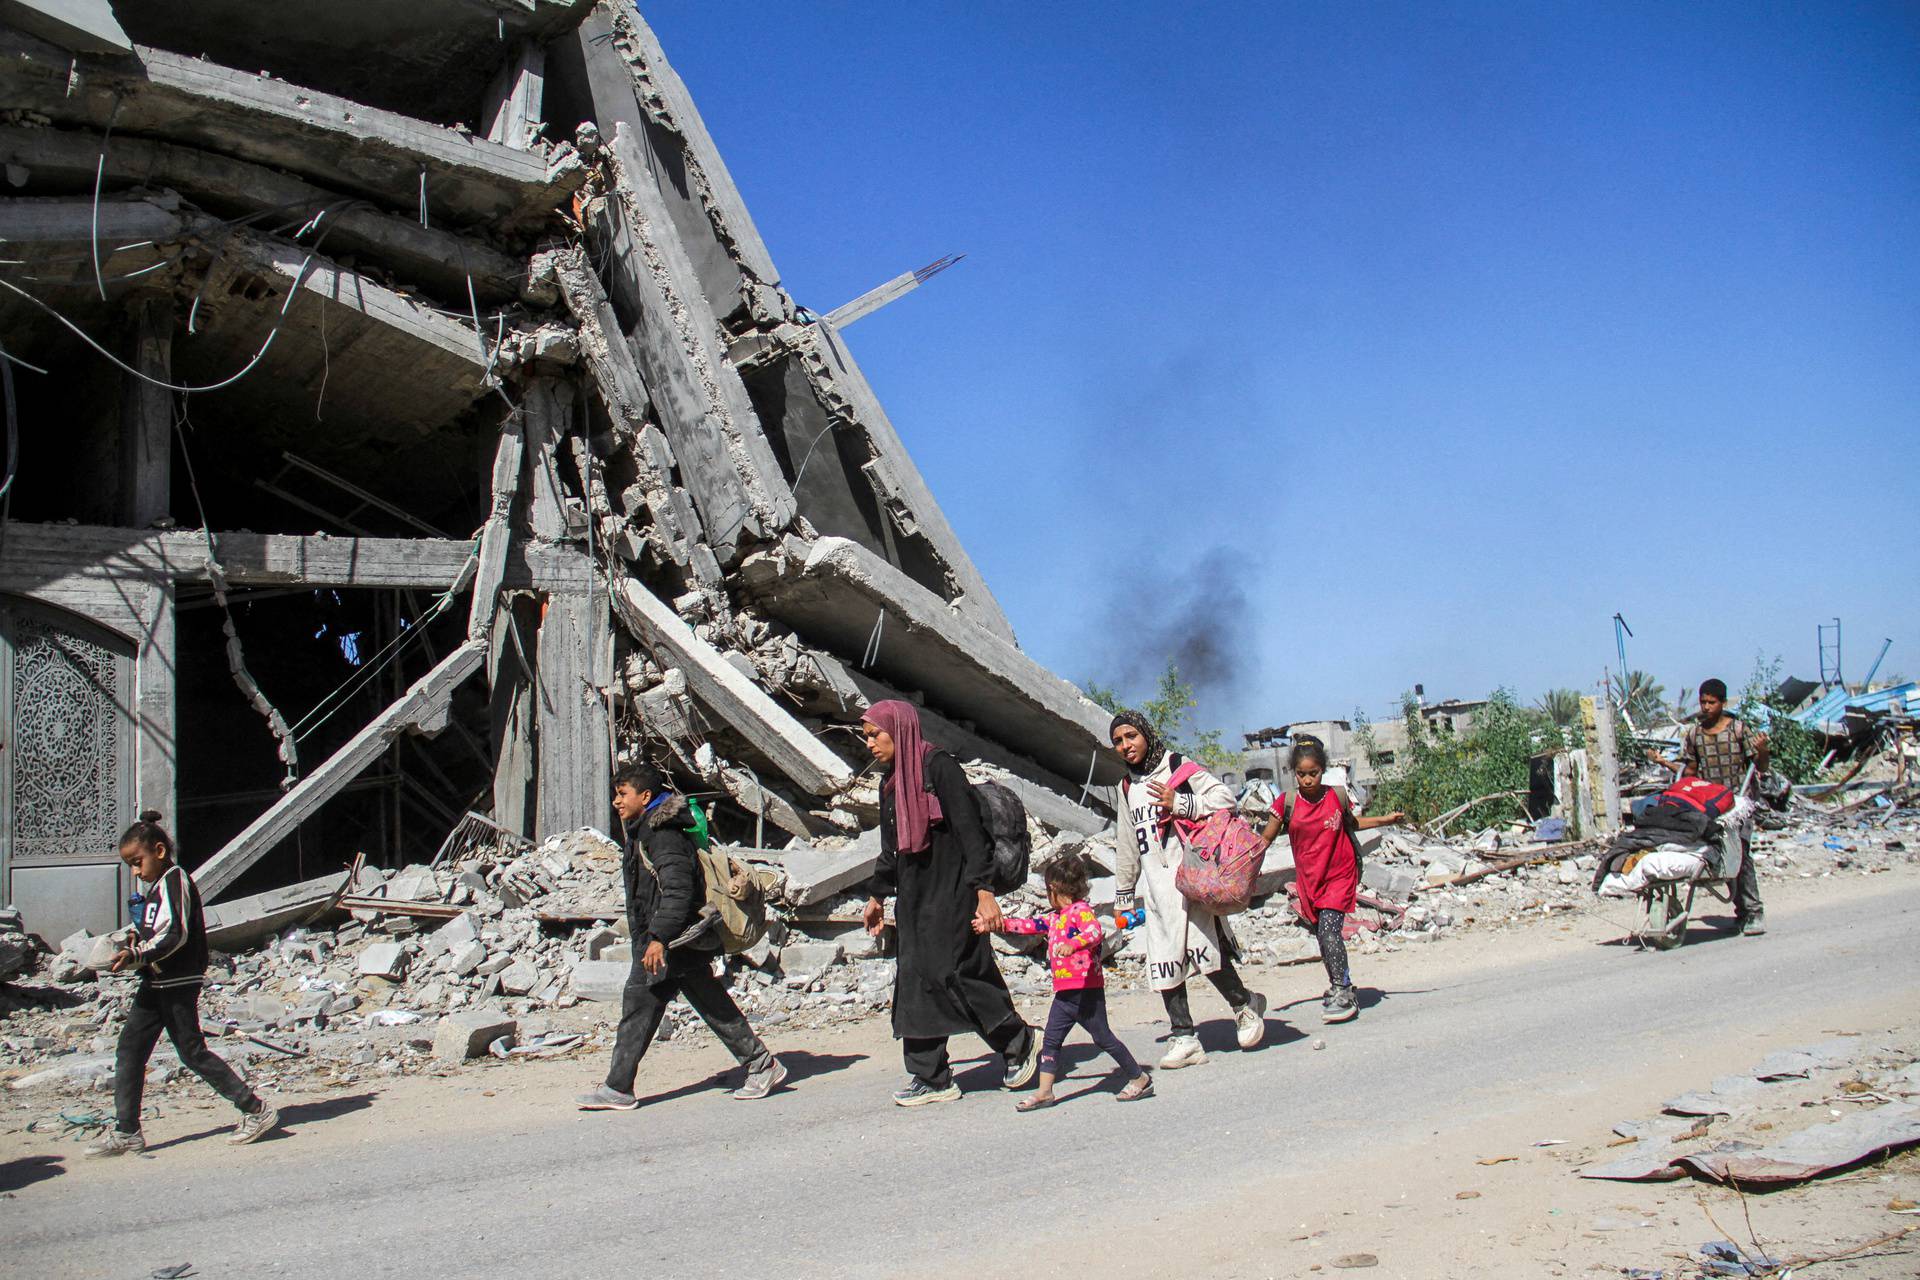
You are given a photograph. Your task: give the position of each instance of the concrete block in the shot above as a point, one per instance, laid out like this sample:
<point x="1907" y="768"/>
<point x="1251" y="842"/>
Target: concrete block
<point x="76" y="946"/>
<point x="464" y="1035"/>
<point x="597" y="940"/>
<point x="493" y="964"/>
<point x="618" y="953"/>
<point x="383" y="960"/>
<point x="1395" y="882"/>
<point x="518" y="978"/>
<point x="467" y="959"/>
<point x="458" y="932"/>
<point x="413" y="884"/>
<point x="814" y="875"/>
<point x="811" y="957"/>
<point x="600" y="980"/>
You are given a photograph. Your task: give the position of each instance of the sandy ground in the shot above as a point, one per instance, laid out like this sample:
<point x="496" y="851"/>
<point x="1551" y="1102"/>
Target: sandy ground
<point x="1286" y="1162"/>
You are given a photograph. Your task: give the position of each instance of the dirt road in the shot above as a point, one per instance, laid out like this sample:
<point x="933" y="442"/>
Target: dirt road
<point x="1270" y="1163"/>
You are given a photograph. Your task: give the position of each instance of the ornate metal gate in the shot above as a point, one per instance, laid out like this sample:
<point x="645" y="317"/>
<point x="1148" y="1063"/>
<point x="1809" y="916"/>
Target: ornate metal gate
<point x="66" y="767"/>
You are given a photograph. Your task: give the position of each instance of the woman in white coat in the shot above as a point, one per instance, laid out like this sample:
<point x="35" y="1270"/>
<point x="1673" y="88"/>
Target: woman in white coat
<point x="1182" y="940"/>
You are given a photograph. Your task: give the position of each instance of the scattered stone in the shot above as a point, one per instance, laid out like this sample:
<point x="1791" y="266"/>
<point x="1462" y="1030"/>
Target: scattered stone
<point x="464" y="1035"/>
<point x="386" y="960"/>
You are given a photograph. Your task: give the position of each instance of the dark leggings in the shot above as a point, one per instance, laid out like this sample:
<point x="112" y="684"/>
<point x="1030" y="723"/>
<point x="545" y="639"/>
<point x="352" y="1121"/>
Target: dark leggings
<point x="1225" y="980"/>
<point x="1088" y="1008"/>
<point x="1333" y="947"/>
<point x="177" y="1011"/>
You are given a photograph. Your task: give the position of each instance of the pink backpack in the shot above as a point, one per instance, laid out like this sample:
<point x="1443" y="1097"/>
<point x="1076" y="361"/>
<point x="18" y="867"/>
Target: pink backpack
<point x="1221" y="855"/>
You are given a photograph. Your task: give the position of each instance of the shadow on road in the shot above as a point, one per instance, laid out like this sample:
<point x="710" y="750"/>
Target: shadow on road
<point x="804" y="1065"/>
<point x="292" y="1116"/>
<point x="1699" y="929"/>
<point x="27" y="1170"/>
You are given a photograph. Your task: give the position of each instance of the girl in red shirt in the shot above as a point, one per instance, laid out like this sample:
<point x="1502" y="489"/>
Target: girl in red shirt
<point x="1326" y="865"/>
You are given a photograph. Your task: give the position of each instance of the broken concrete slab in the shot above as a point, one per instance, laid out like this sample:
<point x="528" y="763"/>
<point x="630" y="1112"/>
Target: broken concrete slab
<point x="814" y="875"/>
<point x="59" y="160"/>
<point x="802" y="958"/>
<point x="734" y="697"/>
<point x="467" y="1033"/>
<point x="603" y="981"/>
<point x="422" y="707"/>
<point x="341" y="143"/>
<point x="240" y="922"/>
<point x="839" y="594"/>
<point x="386" y="960"/>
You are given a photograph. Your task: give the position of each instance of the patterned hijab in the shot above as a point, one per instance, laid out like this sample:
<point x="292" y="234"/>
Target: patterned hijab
<point x="915" y="809"/>
<point x="1156" y="749"/>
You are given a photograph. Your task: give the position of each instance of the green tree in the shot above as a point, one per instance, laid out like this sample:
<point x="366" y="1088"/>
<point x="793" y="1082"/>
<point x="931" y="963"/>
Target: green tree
<point x="1103" y="695"/>
<point x="1171" y="712"/>
<point x="1795" y="749"/>
<point x="1562" y="706"/>
<point x="1438" y="772"/>
<point x="1643" y="698"/>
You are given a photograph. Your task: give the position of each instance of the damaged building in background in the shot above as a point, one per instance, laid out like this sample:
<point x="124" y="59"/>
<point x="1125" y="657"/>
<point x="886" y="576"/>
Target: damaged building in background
<point x="408" y="422"/>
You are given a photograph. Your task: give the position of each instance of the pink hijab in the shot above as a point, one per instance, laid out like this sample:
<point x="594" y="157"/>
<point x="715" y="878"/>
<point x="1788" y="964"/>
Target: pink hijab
<point x="915" y="809"/>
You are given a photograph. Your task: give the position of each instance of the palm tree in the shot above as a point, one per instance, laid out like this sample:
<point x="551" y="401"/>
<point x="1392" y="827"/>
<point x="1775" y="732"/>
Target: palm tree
<point x="1562" y="706"/>
<point x="1643" y="698"/>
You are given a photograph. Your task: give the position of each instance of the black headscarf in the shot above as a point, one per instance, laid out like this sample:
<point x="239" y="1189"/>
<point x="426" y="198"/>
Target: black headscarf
<point x="1156" y="749"/>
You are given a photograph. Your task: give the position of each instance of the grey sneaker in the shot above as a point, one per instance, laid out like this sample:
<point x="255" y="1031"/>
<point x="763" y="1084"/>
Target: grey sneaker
<point x="1250" y="1024"/>
<point x="1754" y="925"/>
<point x="1340" y="1005"/>
<point x="116" y="1143"/>
<point x="761" y="1083"/>
<point x="255" y="1125"/>
<point x="919" y="1093"/>
<point x="606" y="1098"/>
<point x="1021" y="1070"/>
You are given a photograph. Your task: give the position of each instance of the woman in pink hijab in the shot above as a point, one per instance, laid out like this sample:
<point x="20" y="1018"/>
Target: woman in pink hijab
<point x="937" y="862"/>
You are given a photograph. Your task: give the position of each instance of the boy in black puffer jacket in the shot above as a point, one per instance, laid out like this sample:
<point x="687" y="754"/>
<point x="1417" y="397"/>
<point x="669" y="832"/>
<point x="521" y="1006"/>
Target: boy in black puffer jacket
<point x="665" y="891"/>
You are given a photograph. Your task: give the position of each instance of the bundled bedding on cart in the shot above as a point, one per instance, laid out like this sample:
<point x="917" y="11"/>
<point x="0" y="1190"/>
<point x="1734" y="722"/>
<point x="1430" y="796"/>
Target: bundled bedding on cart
<point x="1690" y="831"/>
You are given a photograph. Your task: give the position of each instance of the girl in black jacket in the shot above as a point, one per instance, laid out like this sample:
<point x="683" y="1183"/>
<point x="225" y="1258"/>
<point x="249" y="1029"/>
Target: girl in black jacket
<point x="169" y="948"/>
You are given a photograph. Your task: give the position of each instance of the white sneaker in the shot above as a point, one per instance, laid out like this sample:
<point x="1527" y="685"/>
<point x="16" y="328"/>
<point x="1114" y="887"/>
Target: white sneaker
<point x="116" y="1143"/>
<point x="1183" y="1051"/>
<point x="255" y="1125"/>
<point x="1250" y="1024"/>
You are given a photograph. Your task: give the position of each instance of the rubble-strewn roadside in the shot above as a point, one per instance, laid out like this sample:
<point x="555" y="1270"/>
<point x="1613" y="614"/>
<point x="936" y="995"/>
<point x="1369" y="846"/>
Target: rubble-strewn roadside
<point x="525" y="956"/>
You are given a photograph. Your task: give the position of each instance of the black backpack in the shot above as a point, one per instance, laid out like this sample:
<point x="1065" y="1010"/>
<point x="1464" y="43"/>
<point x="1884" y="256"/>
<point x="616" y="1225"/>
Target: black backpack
<point x="1004" y="816"/>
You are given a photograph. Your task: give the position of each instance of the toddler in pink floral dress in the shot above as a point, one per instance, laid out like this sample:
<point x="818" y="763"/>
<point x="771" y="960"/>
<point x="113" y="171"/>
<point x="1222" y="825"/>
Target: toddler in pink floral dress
<point x="1079" y="983"/>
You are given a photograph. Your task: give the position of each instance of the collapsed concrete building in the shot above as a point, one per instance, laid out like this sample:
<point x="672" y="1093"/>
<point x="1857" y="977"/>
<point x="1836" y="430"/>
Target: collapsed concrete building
<point x="409" y="421"/>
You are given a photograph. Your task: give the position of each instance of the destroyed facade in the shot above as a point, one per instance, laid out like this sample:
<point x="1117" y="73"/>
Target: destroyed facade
<point x="410" y="422"/>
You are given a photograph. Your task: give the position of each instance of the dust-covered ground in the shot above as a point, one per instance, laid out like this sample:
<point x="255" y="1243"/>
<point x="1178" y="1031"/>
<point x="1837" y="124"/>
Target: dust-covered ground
<point x="1409" y="1137"/>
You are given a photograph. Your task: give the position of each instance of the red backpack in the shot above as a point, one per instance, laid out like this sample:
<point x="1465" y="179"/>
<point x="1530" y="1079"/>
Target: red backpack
<point x="1700" y="796"/>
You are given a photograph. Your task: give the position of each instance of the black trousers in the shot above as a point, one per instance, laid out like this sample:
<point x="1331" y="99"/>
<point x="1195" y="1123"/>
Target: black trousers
<point x="644" y="1002"/>
<point x="926" y="1056"/>
<point x="177" y="1011"/>
<point x="1086" y="1007"/>
<point x="1746" y="885"/>
<point x="1225" y="980"/>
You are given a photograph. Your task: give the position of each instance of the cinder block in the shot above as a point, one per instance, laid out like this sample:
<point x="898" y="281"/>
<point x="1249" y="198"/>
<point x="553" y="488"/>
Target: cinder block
<point x="466" y="1034"/>
<point x="599" y="980"/>
<point x="384" y="960"/>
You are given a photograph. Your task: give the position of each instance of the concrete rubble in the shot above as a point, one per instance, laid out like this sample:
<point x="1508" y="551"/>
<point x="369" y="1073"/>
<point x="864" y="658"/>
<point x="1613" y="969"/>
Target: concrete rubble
<point x="447" y="971"/>
<point x="474" y="314"/>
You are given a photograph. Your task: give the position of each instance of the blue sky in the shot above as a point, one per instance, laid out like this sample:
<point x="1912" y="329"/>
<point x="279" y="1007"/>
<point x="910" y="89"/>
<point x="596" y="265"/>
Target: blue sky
<point x="1425" y="337"/>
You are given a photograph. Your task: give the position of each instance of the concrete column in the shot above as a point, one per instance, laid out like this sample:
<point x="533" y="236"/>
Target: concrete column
<point x="508" y="661"/>
<point x="146" y="413"/>
<point x="154" y="695"/>
<point x="574" y="664"/>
